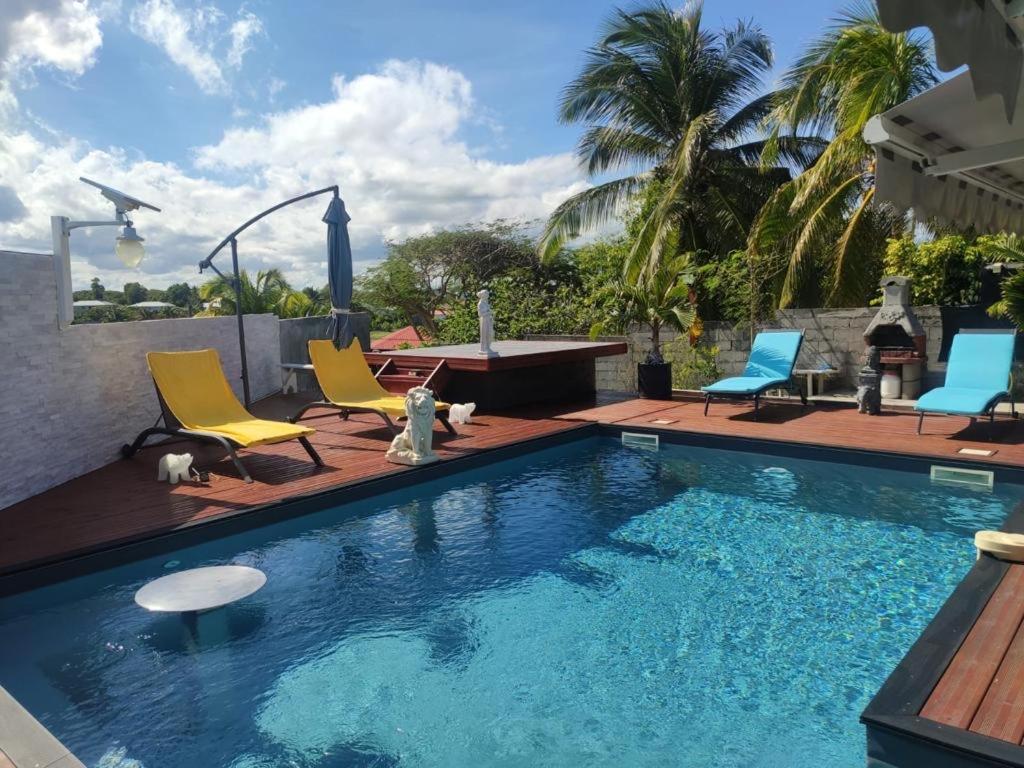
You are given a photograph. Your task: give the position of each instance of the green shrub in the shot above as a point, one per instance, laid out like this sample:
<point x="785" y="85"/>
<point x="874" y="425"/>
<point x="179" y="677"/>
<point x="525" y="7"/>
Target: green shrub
<point x="945" y="271"/>
<point x="524" y="301"/>
<point x="692" y="367"/>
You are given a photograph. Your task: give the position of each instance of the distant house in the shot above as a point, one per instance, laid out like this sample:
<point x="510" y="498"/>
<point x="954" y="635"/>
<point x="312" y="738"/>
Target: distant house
<point x="403" y="338"/>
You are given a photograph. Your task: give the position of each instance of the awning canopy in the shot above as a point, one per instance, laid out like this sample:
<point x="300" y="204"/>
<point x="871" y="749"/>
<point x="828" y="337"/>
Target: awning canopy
<point x="985" y="35"/>
<point x="951" y="155"/>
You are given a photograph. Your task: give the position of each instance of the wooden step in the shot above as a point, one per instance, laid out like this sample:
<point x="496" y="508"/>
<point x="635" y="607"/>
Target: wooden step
<point x="399" y="384"/>
<point x="399" y="379"/>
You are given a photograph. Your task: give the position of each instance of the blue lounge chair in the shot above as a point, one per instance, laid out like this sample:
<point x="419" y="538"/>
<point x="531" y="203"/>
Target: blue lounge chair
<point x="769" y="366"/>
<point x="977" y="377"/>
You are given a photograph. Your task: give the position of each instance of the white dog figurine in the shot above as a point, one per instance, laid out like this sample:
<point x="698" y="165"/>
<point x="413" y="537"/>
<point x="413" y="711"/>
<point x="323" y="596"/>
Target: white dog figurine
<point x="174" y="467"/>
<point x="461" y="413"/>
<point x="412" y="447"/>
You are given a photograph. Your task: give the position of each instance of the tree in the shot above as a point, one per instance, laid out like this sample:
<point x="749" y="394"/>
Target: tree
<point x="944" y="271"/>
<point x="421" y="275"/>
<point x="538" y="299"/>
<point x="678" y="106"/>
<point x="134" y="293"/>
<point x="823" y="220"/>
<point x="97" y="289"/>
<point x="302" y="304"/>
<point x="183" y="295"/>
<point x="1006" y="247"/>
<point x="654" y="299"/>
<point x="267" y="294"/>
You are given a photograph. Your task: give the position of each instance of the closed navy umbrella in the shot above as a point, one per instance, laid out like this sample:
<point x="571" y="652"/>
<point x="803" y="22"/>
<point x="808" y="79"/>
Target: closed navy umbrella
<point x="339" y="271"/>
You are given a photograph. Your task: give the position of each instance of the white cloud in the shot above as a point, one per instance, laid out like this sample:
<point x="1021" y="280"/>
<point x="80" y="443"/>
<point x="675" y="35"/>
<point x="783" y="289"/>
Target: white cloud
<point x="191" y="38"/>
<point x="161" y="22"/>
<point x="274" y="87"/>
<point x="390" y="139"/>
<point x="63" y="34"/>
<point x="242" y="31"/>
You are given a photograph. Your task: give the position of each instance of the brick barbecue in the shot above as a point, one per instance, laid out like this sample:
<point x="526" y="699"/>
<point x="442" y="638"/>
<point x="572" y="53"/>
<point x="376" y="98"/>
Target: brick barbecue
<point x="898" y="336"/>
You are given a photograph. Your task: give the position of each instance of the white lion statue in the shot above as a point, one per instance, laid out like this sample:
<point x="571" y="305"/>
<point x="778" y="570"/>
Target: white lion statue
<point x="412" y="447"/>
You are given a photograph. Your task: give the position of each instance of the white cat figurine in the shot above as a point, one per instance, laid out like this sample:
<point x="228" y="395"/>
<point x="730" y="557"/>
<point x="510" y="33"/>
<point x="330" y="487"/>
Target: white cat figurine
<point x="461" y="413"/>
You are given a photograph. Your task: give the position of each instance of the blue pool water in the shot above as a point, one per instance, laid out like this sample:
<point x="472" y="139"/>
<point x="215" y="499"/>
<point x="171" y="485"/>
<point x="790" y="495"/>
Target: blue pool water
<point x="584" y="605"/>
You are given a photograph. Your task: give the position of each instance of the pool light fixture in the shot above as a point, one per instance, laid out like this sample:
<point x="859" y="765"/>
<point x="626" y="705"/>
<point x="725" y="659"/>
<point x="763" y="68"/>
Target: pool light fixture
<point x="976" y="479"/>
<point x="643" y="440"/>
<point x="128" y="245"/>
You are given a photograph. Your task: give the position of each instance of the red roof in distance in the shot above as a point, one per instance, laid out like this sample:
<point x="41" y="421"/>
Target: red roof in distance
<point x="403" y="338"/>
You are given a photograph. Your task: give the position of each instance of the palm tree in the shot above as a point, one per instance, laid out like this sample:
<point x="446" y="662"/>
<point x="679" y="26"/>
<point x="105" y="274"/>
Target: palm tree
<point x="677" y="106"/>
<point x="270" y="293"/>
<point x="1006" y="247"/>
<point x="659" y="298"/>
<point x="823" y="221"/>
<point x="305" y="303"/>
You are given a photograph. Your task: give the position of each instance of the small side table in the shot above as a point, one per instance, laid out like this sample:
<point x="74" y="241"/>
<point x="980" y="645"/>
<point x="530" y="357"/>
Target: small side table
<point x="810" y="373"/>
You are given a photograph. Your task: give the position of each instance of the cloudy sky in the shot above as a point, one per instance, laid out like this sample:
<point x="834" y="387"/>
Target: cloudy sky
<point x="426" y="115"/>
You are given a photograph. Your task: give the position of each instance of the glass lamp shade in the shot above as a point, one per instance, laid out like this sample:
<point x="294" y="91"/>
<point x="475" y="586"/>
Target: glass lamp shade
<point x="129" y="249"/>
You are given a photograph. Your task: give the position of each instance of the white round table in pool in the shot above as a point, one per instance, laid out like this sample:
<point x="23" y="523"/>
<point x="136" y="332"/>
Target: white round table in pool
<point x="200" y="589"/>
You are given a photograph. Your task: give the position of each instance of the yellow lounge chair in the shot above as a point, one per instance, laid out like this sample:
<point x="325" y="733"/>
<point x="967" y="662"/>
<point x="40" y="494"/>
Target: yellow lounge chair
<point x="197" y="403"/>
<point x="350" y="386"/>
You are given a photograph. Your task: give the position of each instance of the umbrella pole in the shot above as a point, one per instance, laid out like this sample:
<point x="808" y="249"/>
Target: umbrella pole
<point x="207" y="263"/>
<point x="241" y="323"/>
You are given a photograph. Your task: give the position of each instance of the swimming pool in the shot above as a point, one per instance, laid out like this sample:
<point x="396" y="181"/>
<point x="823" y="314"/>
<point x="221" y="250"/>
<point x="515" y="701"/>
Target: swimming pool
<point x="581" y="605"/>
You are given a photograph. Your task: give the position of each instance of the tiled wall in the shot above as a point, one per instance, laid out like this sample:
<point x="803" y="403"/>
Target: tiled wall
<point x="69" y="400"/>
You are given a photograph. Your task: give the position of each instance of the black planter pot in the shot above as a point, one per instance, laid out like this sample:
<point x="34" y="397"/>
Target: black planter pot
<point x="654" y="380"/>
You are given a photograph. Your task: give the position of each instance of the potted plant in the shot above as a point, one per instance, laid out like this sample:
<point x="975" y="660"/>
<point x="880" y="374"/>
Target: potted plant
<point x="655" y="299"/>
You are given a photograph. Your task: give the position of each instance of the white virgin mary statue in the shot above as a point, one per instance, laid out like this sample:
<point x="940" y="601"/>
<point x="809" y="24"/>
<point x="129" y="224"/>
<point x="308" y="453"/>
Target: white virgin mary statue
<point x="483" y="310"/>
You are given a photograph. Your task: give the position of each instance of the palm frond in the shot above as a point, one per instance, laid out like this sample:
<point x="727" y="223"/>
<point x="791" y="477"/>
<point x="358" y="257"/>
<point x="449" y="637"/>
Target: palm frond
<point x="586" y="210"/>
<point x="1013" y="298"/>
<point x="663" y="220"/>
<point x="845" y="260"/>
<point x="604" y="147"/>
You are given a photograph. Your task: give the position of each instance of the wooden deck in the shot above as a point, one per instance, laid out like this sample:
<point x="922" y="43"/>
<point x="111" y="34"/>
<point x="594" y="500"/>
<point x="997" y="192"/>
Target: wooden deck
<point x="833" y="426"/>
<point x="982" y="690"/>
<point x="508" y="354"/>
<point x="121" y="502"/>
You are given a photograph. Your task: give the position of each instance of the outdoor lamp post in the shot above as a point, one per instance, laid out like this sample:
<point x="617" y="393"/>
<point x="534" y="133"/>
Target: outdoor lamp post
<point x="128" y="245"/>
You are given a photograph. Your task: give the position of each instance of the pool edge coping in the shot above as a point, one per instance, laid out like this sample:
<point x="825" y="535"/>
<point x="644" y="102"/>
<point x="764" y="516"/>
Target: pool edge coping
<point x="26" y="742"/>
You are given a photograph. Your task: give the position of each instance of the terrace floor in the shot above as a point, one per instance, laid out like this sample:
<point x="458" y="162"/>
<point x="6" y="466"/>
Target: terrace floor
<point x="981" y="690"/>
<point x="121" y="502"/>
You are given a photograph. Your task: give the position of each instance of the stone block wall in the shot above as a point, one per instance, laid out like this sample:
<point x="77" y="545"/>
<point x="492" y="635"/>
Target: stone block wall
<point x="71" y="398"/>
<point x="832" y="338"/>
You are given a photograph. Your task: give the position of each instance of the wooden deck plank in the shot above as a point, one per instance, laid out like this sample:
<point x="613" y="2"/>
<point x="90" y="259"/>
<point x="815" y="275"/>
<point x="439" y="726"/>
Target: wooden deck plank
<point x="614" y="412"/>
<point x="1001" y="714"/>
<point x="957" y="697"/>
<point x="824" y="424"/>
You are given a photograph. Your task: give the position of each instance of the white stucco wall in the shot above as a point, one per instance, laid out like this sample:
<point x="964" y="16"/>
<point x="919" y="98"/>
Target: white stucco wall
<point x="69" y="399"/>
